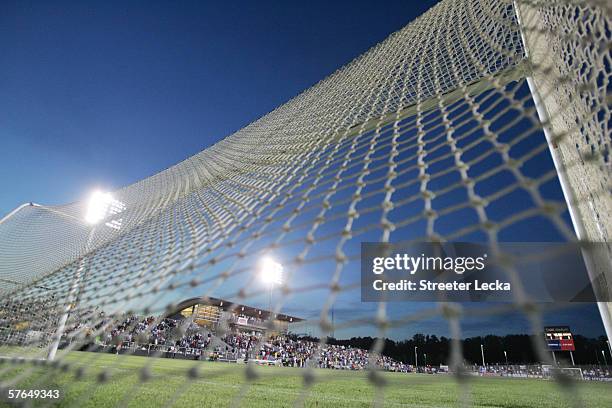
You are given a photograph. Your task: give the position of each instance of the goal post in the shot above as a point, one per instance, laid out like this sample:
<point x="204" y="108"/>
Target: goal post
<point x="573" y="126"/>
<point x="550" y="372"/>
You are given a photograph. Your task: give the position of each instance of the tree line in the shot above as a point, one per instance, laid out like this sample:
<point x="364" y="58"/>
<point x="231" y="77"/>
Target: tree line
<point x="519" y="348"/>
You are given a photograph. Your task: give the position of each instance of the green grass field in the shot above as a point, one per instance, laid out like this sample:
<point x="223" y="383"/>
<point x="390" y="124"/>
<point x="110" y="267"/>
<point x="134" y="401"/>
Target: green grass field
<point x="106" y="380"/>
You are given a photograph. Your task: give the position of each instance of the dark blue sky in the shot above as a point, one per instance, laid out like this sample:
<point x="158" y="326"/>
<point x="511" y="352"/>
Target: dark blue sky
<point x="100" y="95"/>
<point x="106" y="93"/>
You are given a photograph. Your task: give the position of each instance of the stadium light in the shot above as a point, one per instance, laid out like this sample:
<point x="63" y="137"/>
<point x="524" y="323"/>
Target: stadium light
<point x="506" y="355"/>
<point x="416" y="357"/>
<point x="97" y="207"/>
<point x="271" y="272"/>
<point x="102" y="205"/>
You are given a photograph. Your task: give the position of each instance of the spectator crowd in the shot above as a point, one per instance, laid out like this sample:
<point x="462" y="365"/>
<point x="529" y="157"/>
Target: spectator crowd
<point x="295" y="352"/>
<point x="181" y="338"/>
<point x="186" y="338"/>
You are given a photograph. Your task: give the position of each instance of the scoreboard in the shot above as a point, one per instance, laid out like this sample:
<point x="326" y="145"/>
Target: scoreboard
<point x="559" y="338"/>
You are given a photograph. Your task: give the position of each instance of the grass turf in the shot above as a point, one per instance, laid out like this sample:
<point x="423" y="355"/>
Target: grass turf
<point x="106" y="380"/>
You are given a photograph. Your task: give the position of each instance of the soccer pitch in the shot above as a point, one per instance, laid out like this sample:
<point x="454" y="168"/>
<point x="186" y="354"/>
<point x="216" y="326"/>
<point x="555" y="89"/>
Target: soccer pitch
<point x="106" y="380"/>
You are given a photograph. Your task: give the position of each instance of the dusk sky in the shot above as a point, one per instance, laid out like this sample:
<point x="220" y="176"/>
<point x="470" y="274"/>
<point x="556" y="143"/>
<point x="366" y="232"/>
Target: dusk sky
<point x="103" y="95"/>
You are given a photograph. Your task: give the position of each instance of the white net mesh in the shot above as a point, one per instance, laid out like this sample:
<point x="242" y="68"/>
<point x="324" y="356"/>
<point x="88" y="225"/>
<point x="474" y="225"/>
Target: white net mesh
<point x="431" y="135"/>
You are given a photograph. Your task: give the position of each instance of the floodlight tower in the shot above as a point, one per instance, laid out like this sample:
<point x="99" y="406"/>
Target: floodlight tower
<point x="99" y="207"/>
<point x="271" y="273"/>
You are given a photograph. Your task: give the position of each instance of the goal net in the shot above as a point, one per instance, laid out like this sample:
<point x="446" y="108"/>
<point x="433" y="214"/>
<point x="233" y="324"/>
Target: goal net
<point x="549" y="372"/>
<point x="480" y="121"/>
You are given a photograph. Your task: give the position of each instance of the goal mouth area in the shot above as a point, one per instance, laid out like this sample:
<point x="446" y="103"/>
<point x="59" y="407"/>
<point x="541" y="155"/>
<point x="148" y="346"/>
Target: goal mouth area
<point x="469" y="125"/>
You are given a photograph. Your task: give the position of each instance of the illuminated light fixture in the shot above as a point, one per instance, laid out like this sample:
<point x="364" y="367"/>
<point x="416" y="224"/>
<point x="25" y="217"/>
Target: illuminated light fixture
<point x="271" y="272"/>
<point x="102" y="205"/>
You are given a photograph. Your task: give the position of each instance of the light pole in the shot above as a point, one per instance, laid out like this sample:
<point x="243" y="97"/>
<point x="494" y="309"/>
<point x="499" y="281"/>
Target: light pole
<point x="603" y="353"/>
<point x="416" y="359"/>
<point x="506" y="356"/>
<point x="482" y="353"/>
<point x="72" y="295"/>
<point x="425" y="354"/>
<point x="100" y="206"/>
<point x="271" y="273"/>
<point x="609" y="347"/>
<point x="333" y="331"/>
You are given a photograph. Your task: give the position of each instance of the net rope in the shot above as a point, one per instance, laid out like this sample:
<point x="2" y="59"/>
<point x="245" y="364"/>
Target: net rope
<point x="428" y="136"/>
